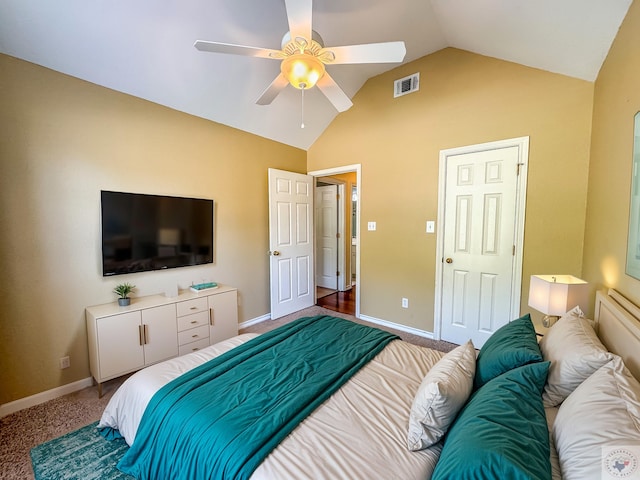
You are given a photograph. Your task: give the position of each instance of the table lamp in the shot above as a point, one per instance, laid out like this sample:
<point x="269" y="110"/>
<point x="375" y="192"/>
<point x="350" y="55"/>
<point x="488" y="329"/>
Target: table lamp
<point x="554" y="295"/>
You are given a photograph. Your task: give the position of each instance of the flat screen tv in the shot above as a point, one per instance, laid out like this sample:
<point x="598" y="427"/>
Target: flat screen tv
<point x="153" y="232"/>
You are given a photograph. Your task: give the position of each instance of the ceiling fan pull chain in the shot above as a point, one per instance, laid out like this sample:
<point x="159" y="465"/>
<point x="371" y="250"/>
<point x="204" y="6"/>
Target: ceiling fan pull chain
<point x="302" y="109"/>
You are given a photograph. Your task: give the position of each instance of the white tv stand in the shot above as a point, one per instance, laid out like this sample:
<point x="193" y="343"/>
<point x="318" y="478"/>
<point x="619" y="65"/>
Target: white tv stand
<point x="155" y="328"/>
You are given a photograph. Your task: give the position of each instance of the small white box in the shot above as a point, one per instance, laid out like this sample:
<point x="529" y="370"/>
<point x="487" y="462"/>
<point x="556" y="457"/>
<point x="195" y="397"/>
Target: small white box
<point x="171" y="290"/>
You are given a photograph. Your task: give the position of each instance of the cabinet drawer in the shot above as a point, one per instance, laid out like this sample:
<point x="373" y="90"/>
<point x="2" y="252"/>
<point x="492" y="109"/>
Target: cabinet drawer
<point x="194" y="335"/>
<point x="193" y="346"/>
<point x="192" y="306"/>
<point x="192" y="321"/>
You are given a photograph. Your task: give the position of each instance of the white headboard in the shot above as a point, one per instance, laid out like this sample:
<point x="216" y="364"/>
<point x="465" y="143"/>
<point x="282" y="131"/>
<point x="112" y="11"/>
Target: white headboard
<point x="618" y="324"/>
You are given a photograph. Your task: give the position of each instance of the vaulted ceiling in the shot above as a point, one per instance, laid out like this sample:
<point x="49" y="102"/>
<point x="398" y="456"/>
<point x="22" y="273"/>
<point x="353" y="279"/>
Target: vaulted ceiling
<point x="145" y="47"/>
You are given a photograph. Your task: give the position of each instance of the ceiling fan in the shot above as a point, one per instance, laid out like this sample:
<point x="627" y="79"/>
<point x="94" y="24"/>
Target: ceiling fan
<point x="303" y="57"/>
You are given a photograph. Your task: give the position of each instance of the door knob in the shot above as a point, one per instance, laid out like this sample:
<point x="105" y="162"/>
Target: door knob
<point x="449" y="260"/>
<point x="275" y="253"/>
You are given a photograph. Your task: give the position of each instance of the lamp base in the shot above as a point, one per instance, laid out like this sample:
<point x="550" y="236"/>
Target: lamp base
<point x="549" y="320"/>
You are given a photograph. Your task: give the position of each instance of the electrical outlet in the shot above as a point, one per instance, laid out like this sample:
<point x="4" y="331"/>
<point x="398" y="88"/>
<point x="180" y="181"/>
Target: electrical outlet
<point x="405" y="303"/>
<point x="371" y="226"/>
<point x="65" y="362"/>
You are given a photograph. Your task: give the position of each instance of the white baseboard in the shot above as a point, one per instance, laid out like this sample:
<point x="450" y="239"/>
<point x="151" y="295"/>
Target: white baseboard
<point x="367" y="318"/>
<point x="38" y="398"/>
<point x="396" y="326"/>
<point x="254" y="321"/>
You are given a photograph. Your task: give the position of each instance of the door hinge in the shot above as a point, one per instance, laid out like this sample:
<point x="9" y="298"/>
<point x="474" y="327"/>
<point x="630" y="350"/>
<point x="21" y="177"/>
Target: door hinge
<point x="514" y="251"/>
<point x="518" y="165"/>
<point x="338" y="235"/>
<point x="337" y="274"/>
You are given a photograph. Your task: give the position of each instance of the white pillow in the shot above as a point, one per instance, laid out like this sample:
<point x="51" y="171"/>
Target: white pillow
<point x="601" y="415"/>
<point x="575" y="352"/>
<point x="442" y="393"/>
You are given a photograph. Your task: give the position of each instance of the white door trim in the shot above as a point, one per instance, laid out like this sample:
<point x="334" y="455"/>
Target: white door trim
<point x="347" y="169"/>
<point x="516" y="285"/>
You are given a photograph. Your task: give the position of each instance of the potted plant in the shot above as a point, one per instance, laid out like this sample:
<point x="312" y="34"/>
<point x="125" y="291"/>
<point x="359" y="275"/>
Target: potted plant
<point x="123" y="290"/>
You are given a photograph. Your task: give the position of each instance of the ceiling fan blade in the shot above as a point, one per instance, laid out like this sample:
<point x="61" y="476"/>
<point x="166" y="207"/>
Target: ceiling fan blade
<point x="334" y="93"/>
<point x="386" y="52"/>
<point x="299" y="14"/>
<point x="272" y="91"/>
<point x="217" y="47"/>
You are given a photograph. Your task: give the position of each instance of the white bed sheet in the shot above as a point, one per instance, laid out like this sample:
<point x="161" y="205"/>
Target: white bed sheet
<point x="360" y="432"/>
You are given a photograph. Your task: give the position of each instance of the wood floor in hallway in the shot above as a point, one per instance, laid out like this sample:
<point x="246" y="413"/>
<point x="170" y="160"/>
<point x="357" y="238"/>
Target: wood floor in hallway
<point x="343" y="302"/>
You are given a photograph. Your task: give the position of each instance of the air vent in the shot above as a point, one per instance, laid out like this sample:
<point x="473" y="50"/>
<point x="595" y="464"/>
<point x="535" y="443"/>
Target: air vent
<point x="406" y="85"/>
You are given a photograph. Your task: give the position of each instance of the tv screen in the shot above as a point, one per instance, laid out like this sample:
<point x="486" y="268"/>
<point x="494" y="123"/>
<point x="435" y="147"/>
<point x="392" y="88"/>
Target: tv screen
<point x="152" y="232"/>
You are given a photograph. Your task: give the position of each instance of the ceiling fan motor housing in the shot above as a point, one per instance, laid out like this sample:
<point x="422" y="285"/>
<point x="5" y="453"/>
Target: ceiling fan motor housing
<point x="315" y="37"/>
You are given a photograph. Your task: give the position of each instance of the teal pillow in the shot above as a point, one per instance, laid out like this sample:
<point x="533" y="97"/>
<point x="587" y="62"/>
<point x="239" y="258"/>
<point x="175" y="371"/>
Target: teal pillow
<point x="501" y="432"/>
<point x="513" y="345"/>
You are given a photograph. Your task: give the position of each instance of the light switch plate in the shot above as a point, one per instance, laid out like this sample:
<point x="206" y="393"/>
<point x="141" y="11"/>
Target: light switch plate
<point x="371" y="226"/>
<point x="431" y="226"/>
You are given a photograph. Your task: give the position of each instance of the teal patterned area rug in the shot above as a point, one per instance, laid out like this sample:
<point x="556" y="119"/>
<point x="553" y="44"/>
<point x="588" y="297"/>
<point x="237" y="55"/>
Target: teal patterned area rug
<point x="83" y="454"/>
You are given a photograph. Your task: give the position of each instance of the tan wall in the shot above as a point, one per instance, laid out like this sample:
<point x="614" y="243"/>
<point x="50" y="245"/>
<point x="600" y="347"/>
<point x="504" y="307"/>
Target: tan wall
<point x="464" y="99"/>
<point x="62" y="141"/>
<point x="616" y="101"/>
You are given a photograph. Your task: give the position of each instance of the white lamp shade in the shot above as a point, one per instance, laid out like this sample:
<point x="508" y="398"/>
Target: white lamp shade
<point x="557" y="294"/>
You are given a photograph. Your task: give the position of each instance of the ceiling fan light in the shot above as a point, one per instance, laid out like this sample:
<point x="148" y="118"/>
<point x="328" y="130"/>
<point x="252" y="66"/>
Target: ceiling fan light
<point x="302" y="70"/>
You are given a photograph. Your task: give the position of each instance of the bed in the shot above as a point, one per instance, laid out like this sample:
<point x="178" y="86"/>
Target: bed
<point x="516" y="409"/>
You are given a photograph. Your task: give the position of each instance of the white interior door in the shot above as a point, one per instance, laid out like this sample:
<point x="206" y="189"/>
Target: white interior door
<point x="326" y="205"/>
<point x="290" y="242"/>
<point x="481" y="243"/>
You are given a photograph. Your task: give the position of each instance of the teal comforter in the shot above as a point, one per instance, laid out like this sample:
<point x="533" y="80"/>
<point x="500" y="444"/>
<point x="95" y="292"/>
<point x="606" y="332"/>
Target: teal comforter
<point x="221" y="419"/>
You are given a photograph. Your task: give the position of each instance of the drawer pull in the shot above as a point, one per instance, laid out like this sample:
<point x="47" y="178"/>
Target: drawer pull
<point x="146" y="333"/>
<point x="194" y="349"/>
<point x="193" y="308"/>
<point x="194" y="321"/>
<point x="195" y="336"/>
<point x="140" y="334"/>
<point x="211" y="316"/>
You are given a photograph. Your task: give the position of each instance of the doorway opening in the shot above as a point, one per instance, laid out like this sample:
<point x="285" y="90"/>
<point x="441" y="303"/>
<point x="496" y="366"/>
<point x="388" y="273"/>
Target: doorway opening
<point x="337" y="232"/>
<point x="328" y="233"/>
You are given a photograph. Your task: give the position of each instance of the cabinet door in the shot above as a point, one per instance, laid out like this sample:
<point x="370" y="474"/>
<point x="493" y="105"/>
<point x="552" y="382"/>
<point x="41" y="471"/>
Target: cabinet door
<point x="223" y="316"/>
<point x="119" y="344"/>
<point x="161" y="333"/>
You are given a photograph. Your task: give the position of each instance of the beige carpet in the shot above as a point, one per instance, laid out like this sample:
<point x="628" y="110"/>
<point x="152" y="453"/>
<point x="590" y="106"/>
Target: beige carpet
<point x="23" y="430"/>
<point x="315" y="310"/>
